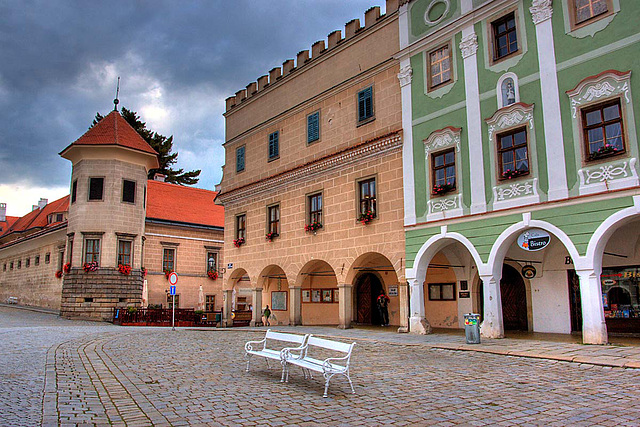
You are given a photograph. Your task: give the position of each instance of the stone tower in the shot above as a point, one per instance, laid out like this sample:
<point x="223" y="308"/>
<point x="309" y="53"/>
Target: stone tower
<point x="106" y="219"/>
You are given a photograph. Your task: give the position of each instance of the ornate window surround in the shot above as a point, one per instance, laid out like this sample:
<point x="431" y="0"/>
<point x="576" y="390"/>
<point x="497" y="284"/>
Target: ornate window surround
<point x="521" y="191"/>
<point x="502" y="65"/>
<point x="613" y="172"/>
<point x="444" y="88"/>
<point x="447" y="206"/>
<point x="588" y="28"/>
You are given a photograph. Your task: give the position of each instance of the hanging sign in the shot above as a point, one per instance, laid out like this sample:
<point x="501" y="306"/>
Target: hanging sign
<point x="533" y="239"/>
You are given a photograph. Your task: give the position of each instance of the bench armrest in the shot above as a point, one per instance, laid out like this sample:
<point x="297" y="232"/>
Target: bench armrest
<point x="326" y="364"/>
<point x="286" y="353"/>
<point x="249" y="345"/>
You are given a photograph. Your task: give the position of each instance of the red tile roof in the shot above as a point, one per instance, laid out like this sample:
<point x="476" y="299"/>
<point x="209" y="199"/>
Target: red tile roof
<point x="37" y="218"/>
<point x="114" y="130"/>
<point x="8" y="222"/>
<point x="171" y="202"/>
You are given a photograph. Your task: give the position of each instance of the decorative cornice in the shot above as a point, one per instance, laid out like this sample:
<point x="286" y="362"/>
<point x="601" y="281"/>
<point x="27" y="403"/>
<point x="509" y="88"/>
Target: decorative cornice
<point x="405" y="75"/>
<point x="604" y="85"/>
<point x="351" y="155"/>
<point x="541" y="11"/>
<point x="443" y="138"/>
<point x="469" y="45"/>
<point x="512" y="115"/>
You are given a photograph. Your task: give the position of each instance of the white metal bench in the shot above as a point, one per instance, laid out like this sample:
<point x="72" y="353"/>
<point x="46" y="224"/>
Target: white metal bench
<point x="328" y="367"/>
<point x="265" y="347"/>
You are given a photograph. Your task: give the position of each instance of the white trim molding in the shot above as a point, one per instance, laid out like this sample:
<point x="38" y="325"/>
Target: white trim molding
<point x="541" y="11"/>
<point x="408" y="174"/>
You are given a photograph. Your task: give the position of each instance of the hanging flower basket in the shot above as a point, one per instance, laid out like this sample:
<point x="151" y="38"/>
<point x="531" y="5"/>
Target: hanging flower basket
<point x="604" y="151"/>
<point x="143" y="271"/>
<point x="58" y="274"/>
<point x="238" y="242"/>
<point x="271" y="236"/>
<point x="66" y="268"/>
<point x="90" y="266"/>
<point x="124" y="269"/>
<point x="509" y="174"/>
<point x="365" y="218"/>
<point x="313" y="227"/>
<point x="439" y="190"/>
<point x="213" y="275"/>
<point x="167" y="273"/>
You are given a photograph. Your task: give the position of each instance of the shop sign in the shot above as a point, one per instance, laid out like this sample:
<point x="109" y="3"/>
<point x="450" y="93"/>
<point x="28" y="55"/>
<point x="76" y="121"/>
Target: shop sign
<point x="393" y="291"/>
<point x="533" y="239"/>
<point x="464" y="294"/>
<point x="609" y="282"/>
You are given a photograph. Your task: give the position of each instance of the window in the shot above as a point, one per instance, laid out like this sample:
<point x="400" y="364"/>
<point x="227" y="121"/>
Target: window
<point x="241" y="224"/>
<point x="443" y="167"/>
<point x="439" y="67"/>
<point x="274" y="145"/>
<point x="442" y="292"/>
<point x="367" y="195"/>
<point x="168" y="259"/>
<point x="315" y="208"/>
<point x="273" y="220"/>
<point x="209" y="303"/>
<point x="74" y="191"/>
<point x="240" y="159"/>
<point x="513" y="156"/>
<point x="19" y="264"/>
<point x="602" y="130"/>
<point x="587" y="9"/>
<point x="11" y="265"/>
<point x="96" y="186"/>
<point x="212" y="261"/>
<point x="128" y="191"/>
<point x="505" y="39"/>
<point x="124" y="252"/>
<point x="170" y="301"/>
<point x="92" y="250"/>
<point x="59" y="217"/>
<point x="36" y="261"/>
<point x="144" y="197"/>
<point x="47" y="258"/>
<point x="365" y="105"/>
<point x="27" y="263"/>
<point x="313" y="127"/>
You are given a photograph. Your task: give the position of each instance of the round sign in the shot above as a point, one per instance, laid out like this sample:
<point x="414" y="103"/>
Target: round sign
<point x="529" y="271"/>
<point x="173" y="277"/>
<point x="533" y="239"/>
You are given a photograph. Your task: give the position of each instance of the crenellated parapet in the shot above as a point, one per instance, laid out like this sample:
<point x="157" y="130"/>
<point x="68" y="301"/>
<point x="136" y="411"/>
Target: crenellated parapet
<point x="335" y="39"/>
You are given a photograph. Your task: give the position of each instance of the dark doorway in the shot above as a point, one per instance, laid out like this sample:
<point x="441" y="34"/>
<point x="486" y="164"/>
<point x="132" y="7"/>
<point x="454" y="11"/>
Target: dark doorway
<point x="367" y="290"/>
<point x="514" y="300"/>
<point x="575" y="302"/>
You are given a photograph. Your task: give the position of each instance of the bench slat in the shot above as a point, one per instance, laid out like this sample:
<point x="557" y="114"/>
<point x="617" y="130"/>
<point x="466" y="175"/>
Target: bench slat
<point x="330" y="345"/>
<point x="280" y="336"/>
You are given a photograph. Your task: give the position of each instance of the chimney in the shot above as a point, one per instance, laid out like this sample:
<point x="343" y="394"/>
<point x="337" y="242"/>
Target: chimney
<point x="392" y="6"/>
<point x="263" y="81"/>
<point x="287" y="66"/>
<point x="42" y="203"/>
<point x="34" y="208"/>
<point x="351" y="27"/>
<point x="334" y="38"/>
<point x="303" y="56"/>
<point x="159" y="177"/>
<point x="274" y="73"/>
<point x="251" y="88"/>
<point x="371" y="16"/>
<point x="3" y="212"/>
<point x="317" y="48"/>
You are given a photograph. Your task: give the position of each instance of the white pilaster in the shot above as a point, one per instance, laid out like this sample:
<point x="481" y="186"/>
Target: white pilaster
<point x="492" y="324"/>
<point x="408" y="176"/>
<point x="541" y="12"/>
<point x="417" y="321"/>
<point x="594" y="328"/>
<point x="469" y="48"/>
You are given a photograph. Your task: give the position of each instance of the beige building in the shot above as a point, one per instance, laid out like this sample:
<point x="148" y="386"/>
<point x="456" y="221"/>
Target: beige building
<point x="312" y="184"/>
<point x="111" y="241"/>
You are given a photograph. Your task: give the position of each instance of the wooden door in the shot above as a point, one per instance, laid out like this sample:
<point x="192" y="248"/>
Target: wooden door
<point x="514" y="300"/>
<point x="367" y="290"/>
<point x="575" y="302"/>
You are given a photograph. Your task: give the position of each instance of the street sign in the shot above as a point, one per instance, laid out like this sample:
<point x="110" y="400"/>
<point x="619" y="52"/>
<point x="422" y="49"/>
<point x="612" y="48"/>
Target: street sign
<point x="172" y="290"/>
<point x="173" y="278"/>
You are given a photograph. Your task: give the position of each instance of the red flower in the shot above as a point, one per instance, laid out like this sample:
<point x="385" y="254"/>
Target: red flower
<point x="213" y="275"/>
<point x="124" y="269"/>
<point x="59" y="274"/>
<point x="67" y="268"/>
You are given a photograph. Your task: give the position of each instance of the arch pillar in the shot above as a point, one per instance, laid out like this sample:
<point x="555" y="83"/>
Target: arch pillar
<point x="295" y="305"/>
<point x="418" y="323"/>
<point x="256" y="314"/>
<point x="492" y="325"/>
<point x="345" y="305"/>
<point x="594" y="328"/>
<point x="227" y="296"/>
<point x="403" y="293"/>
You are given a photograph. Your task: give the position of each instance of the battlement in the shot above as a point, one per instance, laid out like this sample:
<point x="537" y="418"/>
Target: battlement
<point x="334" y="39"/>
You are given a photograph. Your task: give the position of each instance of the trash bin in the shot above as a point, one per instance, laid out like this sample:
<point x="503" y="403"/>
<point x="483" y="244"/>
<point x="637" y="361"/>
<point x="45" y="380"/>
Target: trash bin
<point x="472" y="328"/>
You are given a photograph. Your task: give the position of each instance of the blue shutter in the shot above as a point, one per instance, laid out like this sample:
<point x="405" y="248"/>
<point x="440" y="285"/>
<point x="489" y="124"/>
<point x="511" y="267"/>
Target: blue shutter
<point x="274" y="148"/>
<point x="313" y="127"/>
<point x="240" y="159"/>
<point x="365" y="104"/>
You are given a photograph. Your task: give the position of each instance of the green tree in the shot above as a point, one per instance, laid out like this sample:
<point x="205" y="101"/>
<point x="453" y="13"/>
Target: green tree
<point x="162" y="145"/>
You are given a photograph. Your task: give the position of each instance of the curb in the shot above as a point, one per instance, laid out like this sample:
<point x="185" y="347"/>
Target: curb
<point x="30" y="308"/>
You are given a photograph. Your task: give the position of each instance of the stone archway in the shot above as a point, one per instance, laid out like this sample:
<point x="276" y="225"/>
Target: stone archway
<point x="319" y="294"/>
<point x="513" y="295"/>
<point x="275" y="294"/>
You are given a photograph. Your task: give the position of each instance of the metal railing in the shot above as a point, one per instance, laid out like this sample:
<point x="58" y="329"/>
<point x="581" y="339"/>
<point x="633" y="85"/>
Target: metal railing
<point x="162" y="317"/>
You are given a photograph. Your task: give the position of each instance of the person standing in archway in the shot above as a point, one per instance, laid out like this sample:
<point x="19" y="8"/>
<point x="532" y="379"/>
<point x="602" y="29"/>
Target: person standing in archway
<point x="383" y="304"/>
<point x="266" y="314"/>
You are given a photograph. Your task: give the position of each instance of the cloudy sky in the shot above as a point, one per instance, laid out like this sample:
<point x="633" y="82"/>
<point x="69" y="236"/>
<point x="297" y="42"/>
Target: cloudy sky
<point x="178" y="61"/>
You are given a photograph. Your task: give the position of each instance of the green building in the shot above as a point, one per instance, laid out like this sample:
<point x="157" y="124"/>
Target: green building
<point x="522" y="198"/>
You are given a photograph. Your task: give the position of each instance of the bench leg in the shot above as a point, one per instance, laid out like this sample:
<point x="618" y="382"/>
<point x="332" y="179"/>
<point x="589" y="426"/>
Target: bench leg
<point x="326" y="384"/>
<point x="267" y="359"/>
<point x="351" y="384"/>
<point x="248" y="361"/>
<point x="284" y="368"/>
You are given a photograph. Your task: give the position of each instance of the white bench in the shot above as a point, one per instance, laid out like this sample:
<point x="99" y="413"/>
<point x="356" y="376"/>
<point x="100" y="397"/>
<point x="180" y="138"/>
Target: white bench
<point x="328" y="367"/>
<point x="264" y="347"/>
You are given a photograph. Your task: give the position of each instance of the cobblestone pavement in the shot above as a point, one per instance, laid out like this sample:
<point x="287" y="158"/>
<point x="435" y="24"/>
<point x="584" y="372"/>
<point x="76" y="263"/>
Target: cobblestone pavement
<point x="57" y="372"/>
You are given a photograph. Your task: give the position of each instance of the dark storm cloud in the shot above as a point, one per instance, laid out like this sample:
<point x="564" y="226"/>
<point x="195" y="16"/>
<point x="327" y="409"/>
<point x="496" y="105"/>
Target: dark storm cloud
<point x="58" y="61"/>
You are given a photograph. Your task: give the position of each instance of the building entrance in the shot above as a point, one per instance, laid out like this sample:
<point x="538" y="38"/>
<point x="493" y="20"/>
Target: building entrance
<point x="514" y="300"/>
<point x="368" y="288"/>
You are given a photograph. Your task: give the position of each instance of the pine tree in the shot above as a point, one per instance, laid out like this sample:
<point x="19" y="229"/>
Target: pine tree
<point x="162" y="145"/>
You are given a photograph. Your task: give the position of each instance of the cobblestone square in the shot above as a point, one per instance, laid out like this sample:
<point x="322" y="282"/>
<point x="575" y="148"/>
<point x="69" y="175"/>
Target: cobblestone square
<point x="59" y="372"/>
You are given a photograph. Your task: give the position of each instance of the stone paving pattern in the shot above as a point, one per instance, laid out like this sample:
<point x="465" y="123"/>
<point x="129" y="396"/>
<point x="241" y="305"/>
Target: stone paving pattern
<point x="60" y="372"/>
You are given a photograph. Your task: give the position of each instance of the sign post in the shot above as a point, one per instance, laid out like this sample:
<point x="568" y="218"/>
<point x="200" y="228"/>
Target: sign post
<point x="173" y="280"/>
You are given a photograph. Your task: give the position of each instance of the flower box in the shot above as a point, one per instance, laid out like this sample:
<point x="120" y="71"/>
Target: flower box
<point x="167" y="273"/>
<point x="66" y="268"/>
<point x="90" y="266"/>
<point x="366" y="217"/>
<point x="58" y="274"/>
<point x="604" y="151"/>
<point x="510" y="174"/>
<point x="124" y="269"/>
<point x="313" y="227"/>
<point x="238" y="242"/>
<point x="213" y="275"/>
<point x="271" y="236"/>
<point x="439" y="190"/>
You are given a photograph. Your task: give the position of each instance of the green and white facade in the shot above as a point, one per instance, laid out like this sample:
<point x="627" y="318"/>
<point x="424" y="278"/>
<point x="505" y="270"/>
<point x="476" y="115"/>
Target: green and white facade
<point x="544" y="93"/>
